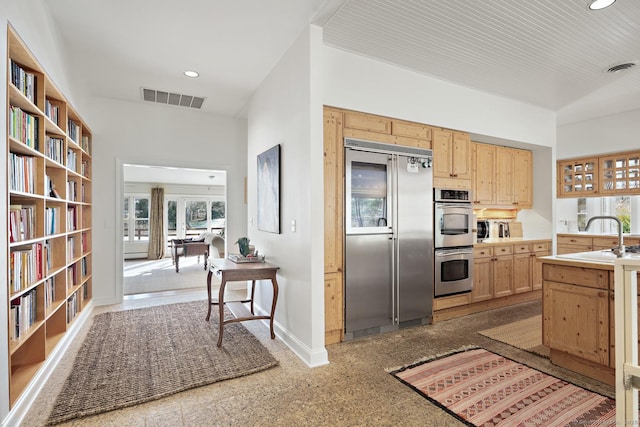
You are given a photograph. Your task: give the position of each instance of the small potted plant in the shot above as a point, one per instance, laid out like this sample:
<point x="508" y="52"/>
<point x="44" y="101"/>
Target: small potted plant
<point x="243" y="244"/>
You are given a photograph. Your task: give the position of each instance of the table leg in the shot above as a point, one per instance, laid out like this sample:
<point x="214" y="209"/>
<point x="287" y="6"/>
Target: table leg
<point x="221" y="306"/>
<point x="177" y="261"/>
<point x="253" y="290"/>
<point x="206" y="257"/>
<point x="208" y="296"/>
<point x="273" y="304"/>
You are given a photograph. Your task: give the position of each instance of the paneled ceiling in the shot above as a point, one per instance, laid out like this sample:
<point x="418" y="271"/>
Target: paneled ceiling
<point x="550" y="53"/>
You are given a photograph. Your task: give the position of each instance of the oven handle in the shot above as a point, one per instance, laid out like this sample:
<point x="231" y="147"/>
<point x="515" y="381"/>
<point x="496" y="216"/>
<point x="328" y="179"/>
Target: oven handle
<point x="453" y="253"/>
<point x="454" y="205"/>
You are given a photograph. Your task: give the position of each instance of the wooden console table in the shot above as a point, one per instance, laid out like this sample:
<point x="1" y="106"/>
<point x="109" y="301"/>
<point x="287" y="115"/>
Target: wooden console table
<point x="232" y="272"/>
<point x="188" y="248"/>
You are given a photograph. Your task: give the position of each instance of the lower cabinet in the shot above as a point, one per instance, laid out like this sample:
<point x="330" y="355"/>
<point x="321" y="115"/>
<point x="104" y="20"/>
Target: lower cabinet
<point x="333" y="310"/>
<point x="527" y="271"/>
<point x="492" y="273"/>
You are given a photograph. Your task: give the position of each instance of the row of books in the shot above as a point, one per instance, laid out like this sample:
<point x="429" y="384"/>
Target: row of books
<point x="73" y="130"/>
<point x="23" y="314"/>
<point x="54" y="149"/>
<point x="71" y="248"/>
<point x="85" y="169"/>
<point x="85" y="243"/>
<point x="22" y="173"/>
<point x="25" y="267"/>
<point x="86" y="146"/>
<point x="72" y="307"/>
<point x="50" y="188"/>
<point x="71" y="159"/>
<point x="24" y="80"/>
<point x="84" y="266"/>
<point x="52" y="111"/>
<point x="73" y="218"/>
<point x="72" y="276"/>
<point x="51" y="220"/>
<point x="49" y="291"/>
<point x="72" y="193"/>
<point x="22" y="222"/>
<point x="24" y="127"/>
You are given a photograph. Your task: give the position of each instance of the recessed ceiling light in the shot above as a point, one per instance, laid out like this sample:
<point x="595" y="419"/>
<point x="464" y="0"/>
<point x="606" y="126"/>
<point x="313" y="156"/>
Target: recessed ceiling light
<point x="190" y="73"/>
<point x="600" y="4"/>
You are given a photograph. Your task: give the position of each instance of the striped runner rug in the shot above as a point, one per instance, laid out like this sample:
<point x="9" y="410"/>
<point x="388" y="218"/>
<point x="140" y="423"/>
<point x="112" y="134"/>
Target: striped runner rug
<point x="482" y="388"/>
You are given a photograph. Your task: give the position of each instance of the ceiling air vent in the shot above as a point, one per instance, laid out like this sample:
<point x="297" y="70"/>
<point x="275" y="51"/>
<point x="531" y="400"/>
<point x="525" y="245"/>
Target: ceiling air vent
<point x="622" y="66"/>
<point x="170" y="98"/>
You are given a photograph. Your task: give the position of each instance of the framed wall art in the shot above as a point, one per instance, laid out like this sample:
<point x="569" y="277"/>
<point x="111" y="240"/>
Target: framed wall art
<point x="269" y="190"/>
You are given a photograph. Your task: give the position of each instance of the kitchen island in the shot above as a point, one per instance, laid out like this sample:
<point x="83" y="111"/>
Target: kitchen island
<point x="578" y="312"/>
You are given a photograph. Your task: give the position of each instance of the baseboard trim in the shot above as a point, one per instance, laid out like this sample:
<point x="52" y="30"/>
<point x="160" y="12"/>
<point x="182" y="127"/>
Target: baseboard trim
<point x="24" y="402"/>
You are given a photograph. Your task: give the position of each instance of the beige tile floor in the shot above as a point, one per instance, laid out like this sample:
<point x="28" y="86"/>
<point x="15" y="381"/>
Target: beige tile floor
<point x="353" y="390"/>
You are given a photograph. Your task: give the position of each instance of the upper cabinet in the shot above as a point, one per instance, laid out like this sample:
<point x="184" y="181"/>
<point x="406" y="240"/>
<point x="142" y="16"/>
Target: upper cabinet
<point x="502" y="177"/>
<point x="578" y="178"/>
<point x="370" y="127"/>
<point x="451" y="159"/>
<point x="614" y="174"/>
<point x="620" y="173"/>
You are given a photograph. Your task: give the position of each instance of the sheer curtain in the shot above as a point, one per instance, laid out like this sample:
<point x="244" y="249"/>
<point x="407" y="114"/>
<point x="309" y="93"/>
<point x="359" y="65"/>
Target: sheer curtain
<point x="156" y="227"/>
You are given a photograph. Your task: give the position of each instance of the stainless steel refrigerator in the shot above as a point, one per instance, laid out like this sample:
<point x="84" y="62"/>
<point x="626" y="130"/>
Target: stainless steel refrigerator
<point x="389" y="237"/>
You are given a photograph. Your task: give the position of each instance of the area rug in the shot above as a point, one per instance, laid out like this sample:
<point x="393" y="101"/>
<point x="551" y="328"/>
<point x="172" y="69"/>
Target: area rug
<point x="524" y="334"/>
<point x="481" y="388"/>
<point x="135" y="356"/>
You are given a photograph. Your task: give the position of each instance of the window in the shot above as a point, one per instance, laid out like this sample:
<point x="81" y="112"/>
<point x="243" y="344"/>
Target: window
<point x="136" y="218"/>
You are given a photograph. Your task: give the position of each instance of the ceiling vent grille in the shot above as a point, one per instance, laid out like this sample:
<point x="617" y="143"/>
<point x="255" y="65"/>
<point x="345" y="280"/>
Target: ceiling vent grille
<point x="170" y="98"/>
<point x="621" y="67"/>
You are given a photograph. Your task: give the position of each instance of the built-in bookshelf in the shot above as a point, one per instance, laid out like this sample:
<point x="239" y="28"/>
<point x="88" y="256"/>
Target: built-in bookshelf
<point x="49" y="215"/>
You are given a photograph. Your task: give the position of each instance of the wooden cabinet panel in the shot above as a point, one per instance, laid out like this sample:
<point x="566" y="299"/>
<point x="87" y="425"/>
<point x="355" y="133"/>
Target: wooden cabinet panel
<point x="411" y="130"/>
<point x="576" y="320"/>
<point x="536" y="280"/>
<point x="333" y="308"/>
<point x="567" y="244"/>
<point x="482" y="279"/>
<point x="333" y="191"/>
<point x="504" y="180"/>
<point x="587" y="277"/>
<point x="522" y="178"/>
<point x="502" y="276"/>
<point x="522" y="272"/>
<point x="451" y="159"/>
<point x="368" y="122"/>
<point x="502" y="250"/>
<point x="483" y="252"/>
<point x="484" y="174"/>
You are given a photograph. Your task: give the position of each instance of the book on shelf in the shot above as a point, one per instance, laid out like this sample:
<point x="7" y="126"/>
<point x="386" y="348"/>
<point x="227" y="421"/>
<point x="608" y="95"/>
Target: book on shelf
<point x="71" y="191"/>
<point x="49" y="291"/>
<point x="24" y="80"/>
<point x="72" y="307"/>
<point x="52" y="220"/>
<point x="52" y="110"/>
<point x="23" y="314"/>
<point x="72" y="218"/>
<point x="73" y="130"/>
<point x="25" y="267"/>
<point x="71" y="159"/>
<point x="21" y="222"/>
<point x="22" y="173"/>
<point x="86" y="145"/>
<point x="24" y="127"/>
<point x="50" y="188"/>
<point x="55" y="148"/>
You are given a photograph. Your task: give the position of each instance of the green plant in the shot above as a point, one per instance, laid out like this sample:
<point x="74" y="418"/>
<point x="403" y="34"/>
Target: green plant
<point x="243" y="245"/>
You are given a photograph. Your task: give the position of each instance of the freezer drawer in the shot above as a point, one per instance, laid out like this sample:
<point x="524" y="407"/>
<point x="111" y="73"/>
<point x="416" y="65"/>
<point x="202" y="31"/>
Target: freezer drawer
<point x="368" y="282"/>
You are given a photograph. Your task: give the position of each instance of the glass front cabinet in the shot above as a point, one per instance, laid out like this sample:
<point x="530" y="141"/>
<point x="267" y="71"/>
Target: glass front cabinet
<point x="578" y="178"/>
<point x="620" y="173"/>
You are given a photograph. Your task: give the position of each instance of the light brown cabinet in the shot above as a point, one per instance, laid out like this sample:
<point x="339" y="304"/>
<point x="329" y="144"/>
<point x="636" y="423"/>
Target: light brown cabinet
<point x="502" y="176"/>
<point x="514" y="178"/>
<point x="333" y="224"/>
<point x="620" y="173"/>
<point x="578" y="178"/>
<point x="527" y="271"/>
<point x="567" y="244"/>
<point x="367" y="122"/>
<point x="492" y="272"/>
<point x="451" y="159"/>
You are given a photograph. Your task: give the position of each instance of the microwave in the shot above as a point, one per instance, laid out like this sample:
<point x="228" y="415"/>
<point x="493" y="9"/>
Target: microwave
<point x="483" y="227"/>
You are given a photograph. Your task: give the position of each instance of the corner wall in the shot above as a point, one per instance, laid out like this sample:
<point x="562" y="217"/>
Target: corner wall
<point x="286" y="109"/>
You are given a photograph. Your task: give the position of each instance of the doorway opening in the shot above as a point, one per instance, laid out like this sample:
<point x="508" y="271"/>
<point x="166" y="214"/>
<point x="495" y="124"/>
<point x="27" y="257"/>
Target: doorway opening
<point x="193" y="206"/>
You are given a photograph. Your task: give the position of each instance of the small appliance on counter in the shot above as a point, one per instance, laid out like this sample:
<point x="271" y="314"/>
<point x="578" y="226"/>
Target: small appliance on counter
<point x="503" y="229"/>
<point x="483" y="230"/>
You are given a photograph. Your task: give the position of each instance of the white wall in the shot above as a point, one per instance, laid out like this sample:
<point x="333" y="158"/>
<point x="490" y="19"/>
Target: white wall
<point x="610" y="134"/>
<point x="161" y="135"/>
<point x="286" y="110"/>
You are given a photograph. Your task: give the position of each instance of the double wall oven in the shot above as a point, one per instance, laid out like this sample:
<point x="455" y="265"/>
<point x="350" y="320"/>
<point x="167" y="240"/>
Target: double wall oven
<point x="453" y="241"/>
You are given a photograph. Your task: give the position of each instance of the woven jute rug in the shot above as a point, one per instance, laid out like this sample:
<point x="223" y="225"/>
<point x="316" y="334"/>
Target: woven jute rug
<point x="481" y="388"/>
<point x="524" y="334"/>
<point x="135" y="356"/>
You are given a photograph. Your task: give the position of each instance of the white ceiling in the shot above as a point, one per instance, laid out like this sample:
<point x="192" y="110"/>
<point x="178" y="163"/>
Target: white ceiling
<point x="550" y="53"/>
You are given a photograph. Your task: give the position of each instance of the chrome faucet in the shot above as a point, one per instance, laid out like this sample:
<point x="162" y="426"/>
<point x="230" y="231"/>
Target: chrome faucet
<point x="619" y="251"/>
